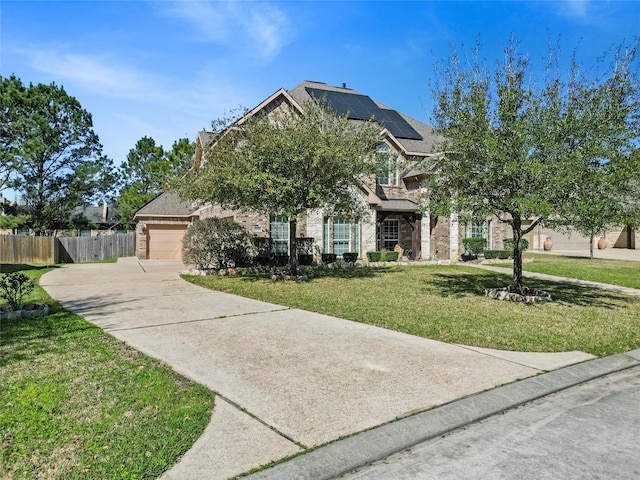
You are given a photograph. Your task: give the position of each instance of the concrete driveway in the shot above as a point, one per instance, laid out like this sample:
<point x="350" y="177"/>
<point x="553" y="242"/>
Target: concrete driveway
<point x="287" y="379"/>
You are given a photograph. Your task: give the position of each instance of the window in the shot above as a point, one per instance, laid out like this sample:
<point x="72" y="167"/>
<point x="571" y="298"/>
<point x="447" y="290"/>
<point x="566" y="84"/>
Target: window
<point x="338" y="234"/>
<point x="390" y="234"/>
<point x="341" y="236"/>
<point x="279" y="231"/>
<point x="476" y="229"/>
<point x="388" y="173"/>
<point x="481" y="229"/>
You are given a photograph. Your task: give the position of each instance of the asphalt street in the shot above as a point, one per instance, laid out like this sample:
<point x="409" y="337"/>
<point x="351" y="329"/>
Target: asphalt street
<point x="590" y="431"/>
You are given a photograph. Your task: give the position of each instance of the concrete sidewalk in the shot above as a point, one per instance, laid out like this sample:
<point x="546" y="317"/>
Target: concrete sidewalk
<point x="287" y="379"/>
<point x="606" y="254"/>
<point x="625" y="254"/>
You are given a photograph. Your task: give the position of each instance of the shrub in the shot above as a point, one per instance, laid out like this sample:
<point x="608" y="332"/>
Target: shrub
<point x="350" y="257"/>
<point x="374" y="256"/>
<point x="382" y="256"/>
<point x="499" y="254"/>
<point x="474" y="246"/>
<point x="217" y="243"/>
<point x="329" y="257"/>
<point x="304" y="245"/>
<point x="508" y="244"/>
<point x="305" y="259"/>
<point x="14" y="287"/>
<point x="281" y="260"/>
<point x="262" y="250"/>
<point x="389" y="256"/>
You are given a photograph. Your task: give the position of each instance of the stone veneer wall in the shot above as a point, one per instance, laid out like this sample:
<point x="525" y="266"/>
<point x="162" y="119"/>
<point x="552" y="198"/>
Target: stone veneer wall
<point x="256" y="224"/>
<point x="439" y="238"/>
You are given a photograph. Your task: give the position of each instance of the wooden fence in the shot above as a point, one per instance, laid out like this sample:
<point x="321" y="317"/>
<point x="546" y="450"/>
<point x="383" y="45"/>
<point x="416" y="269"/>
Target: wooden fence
<point x="27" y="249"/>
<point x="49" y="250"/>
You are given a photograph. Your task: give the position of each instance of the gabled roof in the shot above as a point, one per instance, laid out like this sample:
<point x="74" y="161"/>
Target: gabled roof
<point x="97" y="214"/>
<point x="424" y="144"/>
<point x="169" y="205"/>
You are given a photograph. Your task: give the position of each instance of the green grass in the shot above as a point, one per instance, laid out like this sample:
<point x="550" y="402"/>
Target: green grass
<point x="447" y="303"/>
<point x="614" y="272"/>
<point x="77" y="403"/>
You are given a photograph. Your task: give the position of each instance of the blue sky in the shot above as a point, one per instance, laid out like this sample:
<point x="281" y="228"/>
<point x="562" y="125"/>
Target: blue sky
<point x="165" y="69"/>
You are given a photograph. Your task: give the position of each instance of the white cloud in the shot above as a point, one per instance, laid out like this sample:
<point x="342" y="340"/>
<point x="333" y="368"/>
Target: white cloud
<point x="128" y="103"/>
<point x="92" y="73"/>
<point x="257" y="28"/>
<point x="575" y="8"/>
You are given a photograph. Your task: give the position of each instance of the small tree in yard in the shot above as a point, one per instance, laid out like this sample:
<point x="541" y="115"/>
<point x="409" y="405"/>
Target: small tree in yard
<point x="286" y="163"/>
<point x="216" y="243"/>
<point x="14" y="287"/>
<point x="522" y="151"/>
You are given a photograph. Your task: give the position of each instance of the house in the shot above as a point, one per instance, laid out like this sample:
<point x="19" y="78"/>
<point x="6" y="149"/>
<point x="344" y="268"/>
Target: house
<point x="392" y="196"/>
<point x="101" y="219"/>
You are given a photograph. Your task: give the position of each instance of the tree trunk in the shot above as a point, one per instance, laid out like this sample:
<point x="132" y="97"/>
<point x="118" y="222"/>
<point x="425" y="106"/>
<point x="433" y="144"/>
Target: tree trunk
<point x="293" y="254"/>
<point x="516" y="281"/>
<point x="591" y="246"/>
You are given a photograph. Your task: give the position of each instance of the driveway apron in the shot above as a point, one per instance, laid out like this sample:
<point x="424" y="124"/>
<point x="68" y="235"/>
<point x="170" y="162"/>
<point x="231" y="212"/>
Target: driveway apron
<point x="289" y="379"/>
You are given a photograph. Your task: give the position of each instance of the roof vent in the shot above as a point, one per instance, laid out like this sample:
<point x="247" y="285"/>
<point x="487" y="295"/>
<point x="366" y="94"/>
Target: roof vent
<point x="344" y="85"/>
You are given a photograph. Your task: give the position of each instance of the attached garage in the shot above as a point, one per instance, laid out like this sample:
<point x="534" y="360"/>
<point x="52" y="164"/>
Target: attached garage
<point x="160" y="226"/>
<point x="164" y="241"/>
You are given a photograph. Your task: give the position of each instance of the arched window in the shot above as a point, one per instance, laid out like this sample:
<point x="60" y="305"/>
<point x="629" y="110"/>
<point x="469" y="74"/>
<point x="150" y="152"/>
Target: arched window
<point x="388" y="171"/>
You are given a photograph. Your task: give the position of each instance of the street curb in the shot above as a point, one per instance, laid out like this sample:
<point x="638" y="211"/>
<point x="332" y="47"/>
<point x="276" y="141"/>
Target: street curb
<point x="343" y="456"/>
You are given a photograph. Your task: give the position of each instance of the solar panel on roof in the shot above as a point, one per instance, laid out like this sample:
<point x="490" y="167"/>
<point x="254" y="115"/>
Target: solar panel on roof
<point x="358" y="107"/>
<point x="361" y="107"/>
<point x="397" y="125"/>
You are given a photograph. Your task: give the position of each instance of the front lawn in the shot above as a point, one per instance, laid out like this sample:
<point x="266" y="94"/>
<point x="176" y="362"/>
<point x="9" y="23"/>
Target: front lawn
<point x="614" y="272"/>
<point x="447" y="303"/>
<point x="77" y="403"/>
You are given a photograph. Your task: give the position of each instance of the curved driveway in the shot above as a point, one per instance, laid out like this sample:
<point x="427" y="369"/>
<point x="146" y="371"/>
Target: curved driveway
<point x="287" y="379"/>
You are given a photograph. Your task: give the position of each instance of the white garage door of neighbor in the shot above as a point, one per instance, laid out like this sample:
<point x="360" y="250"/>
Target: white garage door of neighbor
<point x="565" y="241"/>
<point x="165" y="241"/>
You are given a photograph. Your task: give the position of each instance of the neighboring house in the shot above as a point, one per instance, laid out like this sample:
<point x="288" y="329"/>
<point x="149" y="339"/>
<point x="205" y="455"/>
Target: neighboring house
<point x="615" y="237"/>
<point x="103" y="219"/>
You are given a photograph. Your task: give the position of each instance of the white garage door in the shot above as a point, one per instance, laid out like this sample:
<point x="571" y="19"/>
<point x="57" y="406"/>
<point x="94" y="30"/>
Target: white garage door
<point x="165" y="241"/>
<point x="564" y="241"/>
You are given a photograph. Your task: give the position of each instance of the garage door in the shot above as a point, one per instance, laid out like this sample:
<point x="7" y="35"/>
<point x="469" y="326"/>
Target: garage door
<point x="165" y="241"/>
<point x="564" y="241"/>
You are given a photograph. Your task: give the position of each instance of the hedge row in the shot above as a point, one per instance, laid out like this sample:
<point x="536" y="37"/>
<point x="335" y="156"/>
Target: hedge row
<point x="382" y="256"/>
<point x="498" y="254"/>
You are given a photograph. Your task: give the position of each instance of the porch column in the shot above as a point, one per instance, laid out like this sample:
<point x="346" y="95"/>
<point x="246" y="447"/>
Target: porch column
<point x="425" y="234"/>
<point x="454" y="246"/>
<point x="315" y="225"/>
<point x="416" y="237"/>
<point x="368" y="234"/>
